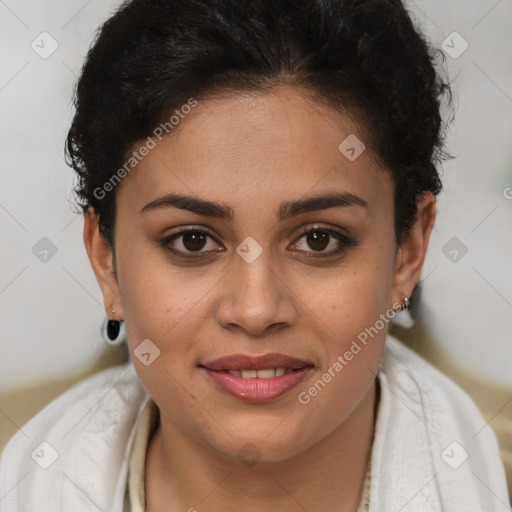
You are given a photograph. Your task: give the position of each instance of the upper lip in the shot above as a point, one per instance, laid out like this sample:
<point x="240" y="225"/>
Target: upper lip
<point x="248" y="362"/>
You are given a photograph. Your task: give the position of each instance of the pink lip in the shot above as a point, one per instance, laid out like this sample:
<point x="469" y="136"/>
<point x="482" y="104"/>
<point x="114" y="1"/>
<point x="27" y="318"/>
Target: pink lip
<point x="255" y="389"/>
<point x="247" y="362"/>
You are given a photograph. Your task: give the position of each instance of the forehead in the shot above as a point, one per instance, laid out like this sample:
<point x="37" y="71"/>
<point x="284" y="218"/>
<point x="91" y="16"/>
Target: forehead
<point x="250" y="150"/>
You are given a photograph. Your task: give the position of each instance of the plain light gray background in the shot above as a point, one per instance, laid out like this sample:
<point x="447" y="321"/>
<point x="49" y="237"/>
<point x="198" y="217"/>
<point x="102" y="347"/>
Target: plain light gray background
<point x="51" y="312"/>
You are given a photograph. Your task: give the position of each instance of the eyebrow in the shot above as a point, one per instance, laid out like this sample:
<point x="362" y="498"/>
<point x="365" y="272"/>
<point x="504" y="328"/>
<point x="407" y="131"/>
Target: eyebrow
<point x="286" y="210"/>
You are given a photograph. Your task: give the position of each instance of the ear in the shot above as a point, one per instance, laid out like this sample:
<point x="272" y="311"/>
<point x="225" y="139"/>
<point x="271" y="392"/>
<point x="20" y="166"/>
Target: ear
<point x="101" y="259"/>
<point x="412" y="250"/>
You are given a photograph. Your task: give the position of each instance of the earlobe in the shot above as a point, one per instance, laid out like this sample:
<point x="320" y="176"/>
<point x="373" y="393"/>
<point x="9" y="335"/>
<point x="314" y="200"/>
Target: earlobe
<point x="411" y="253"/>
<point x="100" y="258"/>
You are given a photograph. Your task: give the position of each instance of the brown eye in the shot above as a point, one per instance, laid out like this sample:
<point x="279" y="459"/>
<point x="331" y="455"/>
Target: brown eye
<point x="194" y="240"/>
<point x="318" y="240"/>
<point x="185" y="243"/>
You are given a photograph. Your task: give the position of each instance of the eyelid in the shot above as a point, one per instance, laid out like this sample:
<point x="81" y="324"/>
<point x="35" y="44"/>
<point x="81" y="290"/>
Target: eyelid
<point x="330" y="228"/>
<point x="192" y="227"/>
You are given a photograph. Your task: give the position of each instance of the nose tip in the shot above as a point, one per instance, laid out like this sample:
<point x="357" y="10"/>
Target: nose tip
<point x="256" y="321"/>
<point x="255" y="300"/>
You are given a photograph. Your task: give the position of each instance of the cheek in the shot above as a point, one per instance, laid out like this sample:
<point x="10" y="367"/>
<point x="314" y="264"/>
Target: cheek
<point x="158" y="298"/>
<point x="351" y="315"/>
<point x="164" y="305"/>
<point x="351" y="298"/>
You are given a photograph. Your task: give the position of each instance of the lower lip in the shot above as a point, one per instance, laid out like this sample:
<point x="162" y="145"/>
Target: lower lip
<point x="257" y="390"/>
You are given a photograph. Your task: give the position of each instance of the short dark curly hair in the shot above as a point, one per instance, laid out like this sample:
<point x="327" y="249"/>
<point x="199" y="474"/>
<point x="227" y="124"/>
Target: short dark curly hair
<point x="364" y="56"/>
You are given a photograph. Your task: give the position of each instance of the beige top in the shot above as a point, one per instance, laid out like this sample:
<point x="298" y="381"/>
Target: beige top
<point x="135" y="500"/>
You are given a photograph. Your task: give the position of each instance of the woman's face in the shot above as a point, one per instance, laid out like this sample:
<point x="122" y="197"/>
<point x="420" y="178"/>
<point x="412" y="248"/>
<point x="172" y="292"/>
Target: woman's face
<point x="313" y="281"/>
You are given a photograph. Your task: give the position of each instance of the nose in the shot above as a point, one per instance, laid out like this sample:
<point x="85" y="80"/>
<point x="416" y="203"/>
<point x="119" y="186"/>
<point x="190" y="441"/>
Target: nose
<point x="256" y="298"/>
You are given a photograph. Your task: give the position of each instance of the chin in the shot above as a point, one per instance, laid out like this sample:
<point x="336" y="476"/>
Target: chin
<point x="263" y="443"/>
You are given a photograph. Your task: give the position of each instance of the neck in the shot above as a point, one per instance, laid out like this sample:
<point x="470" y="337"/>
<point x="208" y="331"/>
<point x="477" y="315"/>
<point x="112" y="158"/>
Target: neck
<point x="183" y="474"/>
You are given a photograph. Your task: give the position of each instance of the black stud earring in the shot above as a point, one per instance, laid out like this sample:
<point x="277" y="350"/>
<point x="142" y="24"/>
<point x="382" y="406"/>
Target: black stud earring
<point x="113" y="328"/>
<point x="114" y="332"/>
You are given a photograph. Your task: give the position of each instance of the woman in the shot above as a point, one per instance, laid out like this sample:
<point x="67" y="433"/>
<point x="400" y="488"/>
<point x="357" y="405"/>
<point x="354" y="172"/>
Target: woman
<point x="258" y="180"/>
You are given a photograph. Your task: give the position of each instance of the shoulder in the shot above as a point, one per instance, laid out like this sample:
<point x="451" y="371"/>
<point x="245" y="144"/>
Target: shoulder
<point x="82" y="436"/>
<point x="430" y="435"/>
<point x="440" y="405"/>
<point x="80" y="404"/>
<point x="414" y="378"/>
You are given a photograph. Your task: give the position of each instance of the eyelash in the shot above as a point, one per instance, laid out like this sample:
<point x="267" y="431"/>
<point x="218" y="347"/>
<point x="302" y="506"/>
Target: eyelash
<point x="346" y="242"/>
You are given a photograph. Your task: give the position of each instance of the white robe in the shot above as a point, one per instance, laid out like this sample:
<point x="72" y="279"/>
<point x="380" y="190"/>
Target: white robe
<point x="432" y="452"/>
